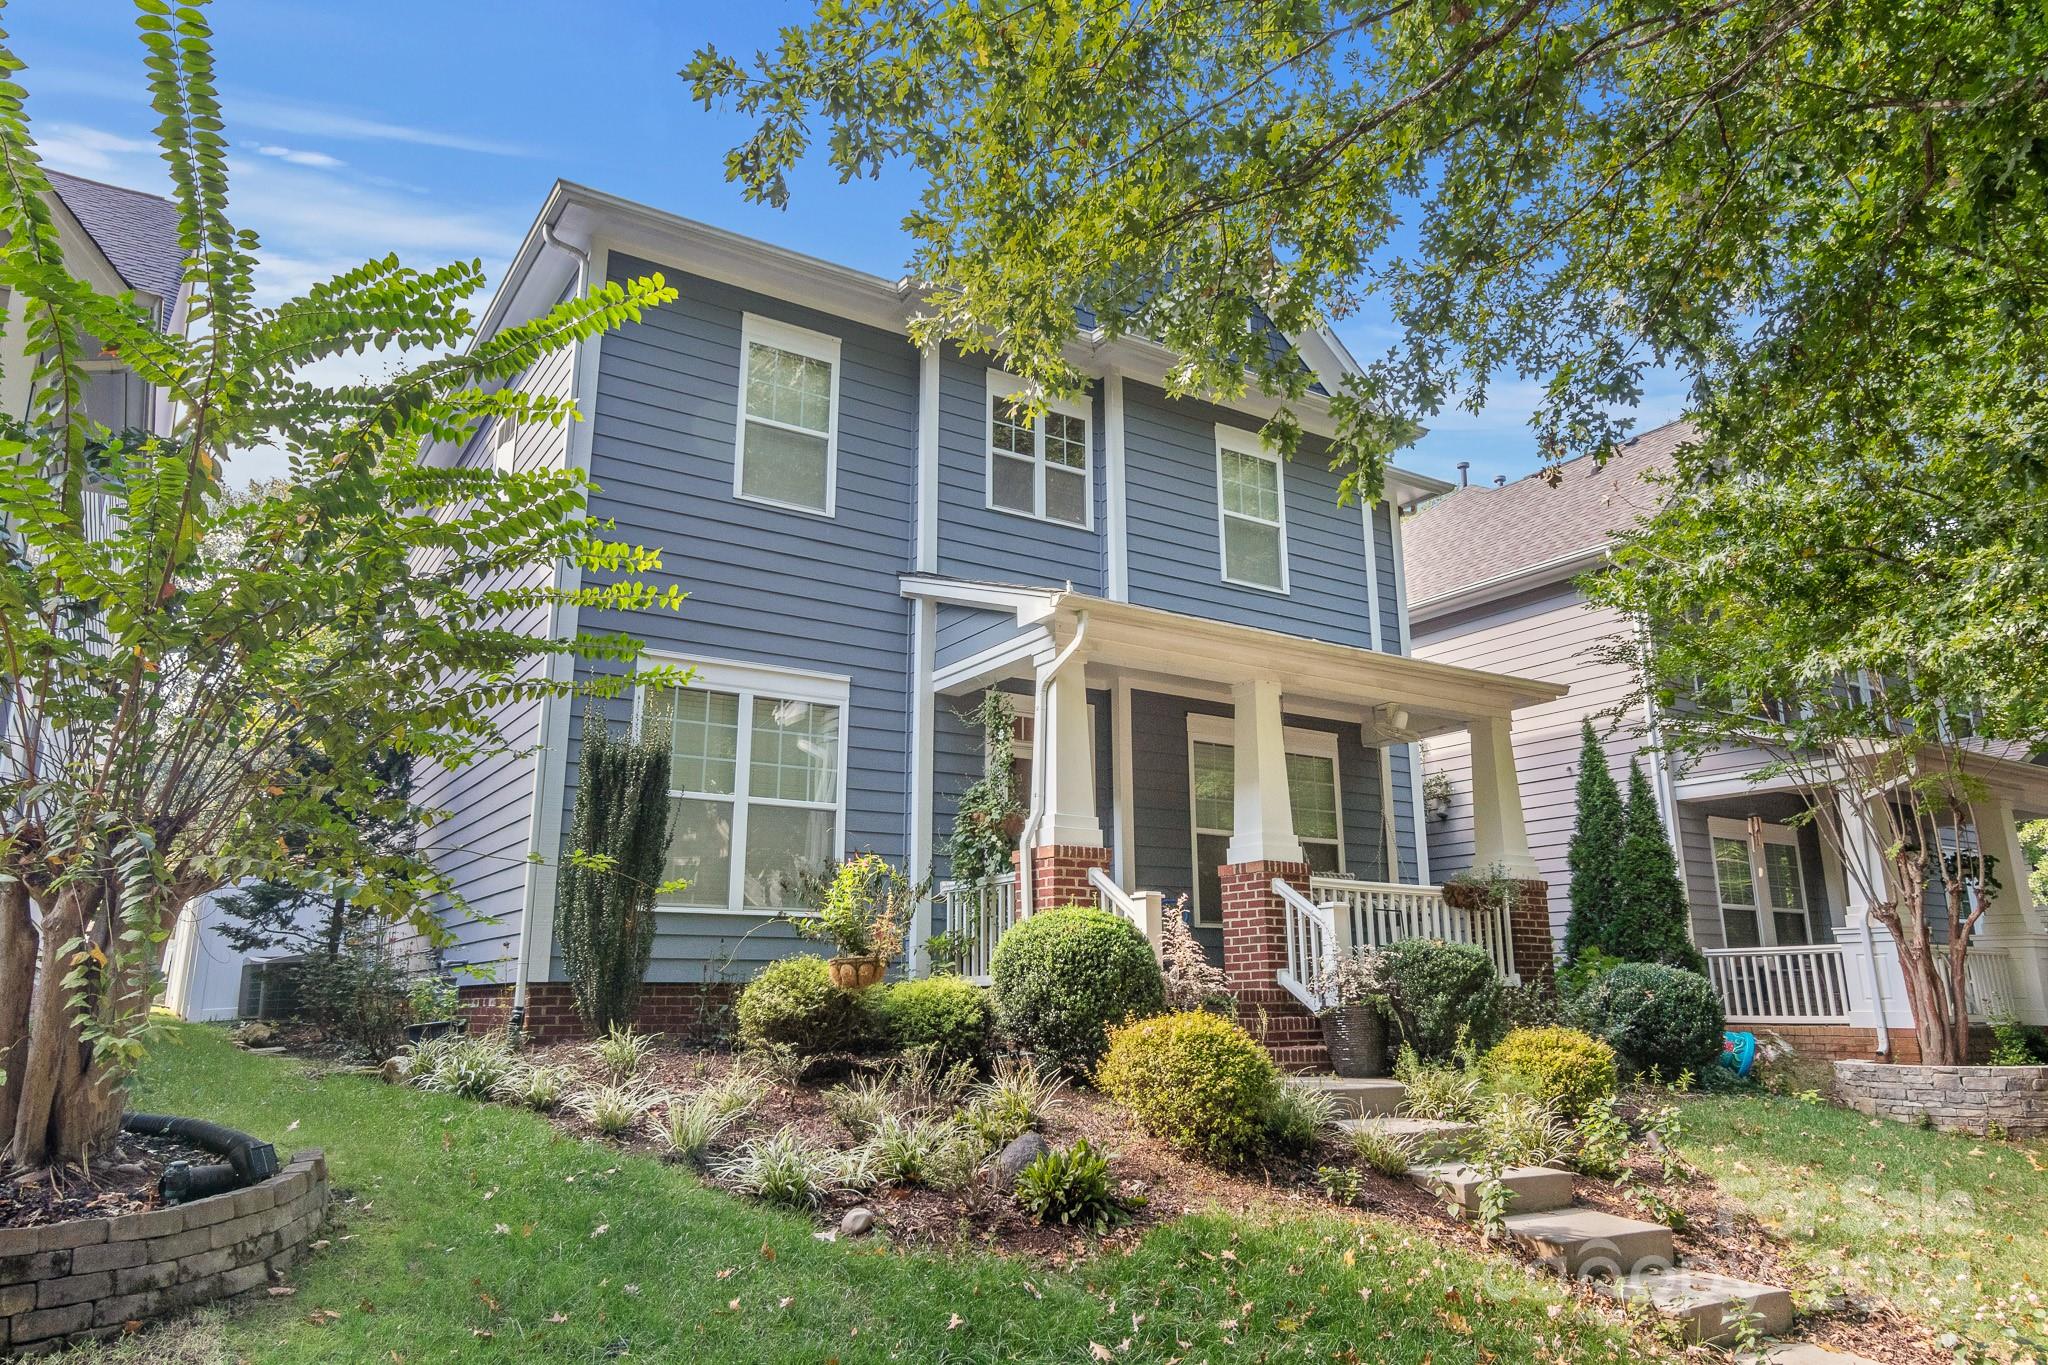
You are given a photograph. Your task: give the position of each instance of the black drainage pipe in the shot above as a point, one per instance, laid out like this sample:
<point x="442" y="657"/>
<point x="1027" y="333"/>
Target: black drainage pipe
<point x="248" y="1161"/>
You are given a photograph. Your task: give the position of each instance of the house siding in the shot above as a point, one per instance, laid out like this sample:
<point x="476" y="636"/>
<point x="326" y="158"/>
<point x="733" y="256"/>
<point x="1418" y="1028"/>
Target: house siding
<point x="766" y="585"/>
<point x="964" y="632"/>
<point x="482" y="846"/>
<point x="1549" y="634"/>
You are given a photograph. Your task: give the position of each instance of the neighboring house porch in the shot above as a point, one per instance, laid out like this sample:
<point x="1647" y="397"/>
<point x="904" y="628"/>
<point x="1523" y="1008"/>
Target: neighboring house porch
<point x="1252" y="772"/>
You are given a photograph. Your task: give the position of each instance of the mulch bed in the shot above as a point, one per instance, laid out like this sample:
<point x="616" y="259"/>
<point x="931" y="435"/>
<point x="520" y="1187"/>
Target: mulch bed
<point x="122" y="1181"/>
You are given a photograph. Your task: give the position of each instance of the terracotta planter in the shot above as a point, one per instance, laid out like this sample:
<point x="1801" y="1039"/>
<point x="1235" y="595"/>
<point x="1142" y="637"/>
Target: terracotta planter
<point x="858" y="973"/>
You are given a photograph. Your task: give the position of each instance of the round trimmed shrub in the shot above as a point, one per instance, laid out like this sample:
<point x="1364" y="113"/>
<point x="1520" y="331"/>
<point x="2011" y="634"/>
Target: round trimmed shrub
<point x="1063" y="977"/>
<point x="948" y="1014"/>
<point x="1439" y="991"/>
<point x="1195" y="1080"/>
<point x="1565" y="1069"/>
<point x="1655" y="1017"/>
<point x="793" y="1003"/>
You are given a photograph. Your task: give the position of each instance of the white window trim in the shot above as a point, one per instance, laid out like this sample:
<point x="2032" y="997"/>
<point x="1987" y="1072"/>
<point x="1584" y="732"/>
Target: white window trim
<point x="749" y="680"/>
<point x="505" y="444"/>
<point x="1721" y="827"/>
<point x="784" y="336"/>
<point x="1208" y="729"/>
<point x="1242" y="442"/>
<point x="1002" y="385"/>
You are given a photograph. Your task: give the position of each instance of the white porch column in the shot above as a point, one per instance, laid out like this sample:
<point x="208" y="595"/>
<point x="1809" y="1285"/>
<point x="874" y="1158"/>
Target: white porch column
<point x="1877" y="987"/>
<point x="1499" y="836"/>
<point x="1264" y="821"/>
<point x="1069" y="748"/>
<point x="2012" y="921"/>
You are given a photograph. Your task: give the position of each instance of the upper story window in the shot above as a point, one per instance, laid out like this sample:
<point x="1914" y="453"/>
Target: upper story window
<point x="788" y="450"/>
<point x="757" y="783"/>
<point x="1037" y="467"/>
<point x="1252" y="510"/>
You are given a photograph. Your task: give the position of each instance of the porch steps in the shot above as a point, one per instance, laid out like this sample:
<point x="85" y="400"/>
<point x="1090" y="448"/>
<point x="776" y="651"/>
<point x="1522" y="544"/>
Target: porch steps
<point x="1587" y="1242"/>
<point x="1710" y="1309"/>
<point x="1531" y="1189"/>
<point x="1430" y="1139"/>
<point x="1355" y="1099"/>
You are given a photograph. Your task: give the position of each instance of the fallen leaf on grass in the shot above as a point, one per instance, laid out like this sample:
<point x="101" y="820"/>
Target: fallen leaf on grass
<point x="1100" y="1352"/>
<point x="601" y="1229"/>
<point x="953" y="1322"/>
<point x="281" y="1291"/>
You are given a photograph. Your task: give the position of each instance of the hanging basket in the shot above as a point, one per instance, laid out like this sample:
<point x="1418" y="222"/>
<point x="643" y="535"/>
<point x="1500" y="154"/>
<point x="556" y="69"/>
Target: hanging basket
<point x="858" y="973"/>
<point x="1357" y="1039"/>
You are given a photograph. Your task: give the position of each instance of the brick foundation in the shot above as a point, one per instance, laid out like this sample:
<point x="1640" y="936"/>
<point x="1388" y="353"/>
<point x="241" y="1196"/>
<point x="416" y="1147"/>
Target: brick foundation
<point x="91" y="1277"/>
<point x="1059" y="874"/>
<point x="1254" y="949"/>
<point x="1528" y="923"/>
<point x="680" y="1009"/>
<point x="1840" y="1043"/>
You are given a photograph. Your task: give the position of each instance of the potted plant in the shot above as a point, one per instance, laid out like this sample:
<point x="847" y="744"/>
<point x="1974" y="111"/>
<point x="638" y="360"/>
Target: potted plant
<point x="432" y="1003"/>
<point x="1354" y="1028"/>
<point x="862" y="912"/>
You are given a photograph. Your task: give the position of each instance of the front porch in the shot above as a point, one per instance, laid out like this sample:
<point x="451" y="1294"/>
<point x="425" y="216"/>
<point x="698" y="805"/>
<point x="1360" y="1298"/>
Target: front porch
<point x="1266" y="782"/>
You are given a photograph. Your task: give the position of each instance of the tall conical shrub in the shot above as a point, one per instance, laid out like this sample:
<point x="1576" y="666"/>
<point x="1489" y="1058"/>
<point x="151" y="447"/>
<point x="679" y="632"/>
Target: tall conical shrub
<point x="1650" y="901"/>
<point x="618" y="840"/>
<point x="1595" y="854"/>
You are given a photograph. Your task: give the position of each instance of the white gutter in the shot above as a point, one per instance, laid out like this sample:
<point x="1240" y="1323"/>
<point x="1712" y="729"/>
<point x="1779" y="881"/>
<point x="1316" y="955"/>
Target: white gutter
<point x="1045" y="677"/>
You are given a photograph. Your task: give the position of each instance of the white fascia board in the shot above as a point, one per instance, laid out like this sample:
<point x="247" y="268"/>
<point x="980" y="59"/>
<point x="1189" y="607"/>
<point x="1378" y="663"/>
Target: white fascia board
<point x="1029" y="603"/>
<point x="1558" y="570"/>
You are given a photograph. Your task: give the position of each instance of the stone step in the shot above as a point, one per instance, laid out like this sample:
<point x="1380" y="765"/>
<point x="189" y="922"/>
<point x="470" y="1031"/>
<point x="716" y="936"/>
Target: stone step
<point x="1429" y="1139"/>
<point x="1586" y="1242"/>
<point x="1531" y="1189"/>
<point x="1355" y="1098"/>
<point x="1800" y="1353"/>
<point x="1710" y="1308"/>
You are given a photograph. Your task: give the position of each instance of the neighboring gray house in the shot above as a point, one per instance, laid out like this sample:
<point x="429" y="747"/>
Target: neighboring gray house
<point x="1770" y="905"/>
<point x="1209" y="653"/>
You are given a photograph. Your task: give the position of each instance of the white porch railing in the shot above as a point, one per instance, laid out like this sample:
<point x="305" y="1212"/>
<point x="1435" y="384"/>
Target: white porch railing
<point x="1314" y="936"/>
<point x="978" y="914"/>
<point x="1804" y="985"/>
<point x="1376" y="914"/>
<point x="1991" y="990"/>
<point x="1145" y="909"/>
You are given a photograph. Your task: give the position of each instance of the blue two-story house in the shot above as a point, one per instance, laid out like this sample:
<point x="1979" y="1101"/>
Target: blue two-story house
<point x="1208" y="653"/>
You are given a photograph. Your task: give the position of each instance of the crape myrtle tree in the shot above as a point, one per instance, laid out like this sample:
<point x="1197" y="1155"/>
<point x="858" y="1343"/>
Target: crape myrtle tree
<point x="163" y="696"/>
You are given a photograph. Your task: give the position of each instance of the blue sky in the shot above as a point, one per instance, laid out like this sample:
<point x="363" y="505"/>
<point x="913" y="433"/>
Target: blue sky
<point x="433" y="129"/>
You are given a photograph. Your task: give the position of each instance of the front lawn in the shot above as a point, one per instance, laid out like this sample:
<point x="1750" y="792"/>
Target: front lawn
<point x="477" y="1231"/>
<point x="1951" y="1230"/>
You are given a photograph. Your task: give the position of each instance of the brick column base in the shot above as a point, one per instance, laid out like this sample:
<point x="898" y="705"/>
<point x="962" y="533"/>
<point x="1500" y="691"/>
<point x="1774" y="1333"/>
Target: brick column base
<point x="1059" y="874"/>
<point x="1528" y="923"/>
<point x="1254" y="949"/>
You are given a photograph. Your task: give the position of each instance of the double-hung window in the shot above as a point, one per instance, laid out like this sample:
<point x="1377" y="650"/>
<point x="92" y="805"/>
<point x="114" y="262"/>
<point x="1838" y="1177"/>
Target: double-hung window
<point x="1312" y="798"/>
<point x="1037" y="466"/>
<point x="1761" y="885"/>
<point x="757" y="779"/>
<point x="788" y="449"/>
<point x="1252" y="511"/>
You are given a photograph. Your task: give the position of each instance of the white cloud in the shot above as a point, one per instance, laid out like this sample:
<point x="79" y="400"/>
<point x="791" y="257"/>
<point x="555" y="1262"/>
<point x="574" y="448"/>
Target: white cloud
<point x="301" y="158"/>
<point x="89" y="151"/>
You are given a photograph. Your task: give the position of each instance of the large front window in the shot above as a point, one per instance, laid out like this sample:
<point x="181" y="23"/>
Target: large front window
<point x="754" y="784"/>
<point x="1761" y="885"/>
<point x="1312" y="800"/>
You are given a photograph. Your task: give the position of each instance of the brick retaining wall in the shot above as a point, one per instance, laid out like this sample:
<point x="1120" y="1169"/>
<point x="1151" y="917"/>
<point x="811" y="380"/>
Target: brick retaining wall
<point x="1956" y="1099"/>
<point x="93" y="1276"/>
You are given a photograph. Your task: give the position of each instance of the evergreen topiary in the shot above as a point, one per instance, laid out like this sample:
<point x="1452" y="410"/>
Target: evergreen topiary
<point x="618" y="840"/>
<point x="948" y="1014"/>
<point x="1440" y="991"/>
<point x="1063" y="977"/>
<point x="1595" y="852"/>
<point x="1651" y="911"/>
<point x="1564" y="1069"/>
<point x="793" y="1004"/>
<point x="1195" y="1080"/>
<point x="1655" y="1017"/>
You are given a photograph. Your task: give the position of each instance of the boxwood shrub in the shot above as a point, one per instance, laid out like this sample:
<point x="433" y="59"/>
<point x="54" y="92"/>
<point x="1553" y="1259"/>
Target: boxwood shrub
<point x="1063" y="977"/>
<point x="948" y="1014"/>
<point x="1195" y="1080"/>
<point x="1654" y="1017"/>
<point x="1563" y="1068"/>
<point x="793" y="1003"/>
<point x="1438" y="991"/>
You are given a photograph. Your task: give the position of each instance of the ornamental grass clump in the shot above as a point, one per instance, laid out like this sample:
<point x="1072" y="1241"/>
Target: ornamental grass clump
<point x="622" y="1051"/>
<point x="614" y="1109"/>
<point x="789" y="1169"/>
<point x="690" y="1126"/>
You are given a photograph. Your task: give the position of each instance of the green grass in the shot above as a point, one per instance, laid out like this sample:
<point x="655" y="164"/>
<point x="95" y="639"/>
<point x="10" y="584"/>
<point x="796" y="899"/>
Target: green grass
<point x="477" y="1219"/>
<point x="1951" y="1230"/>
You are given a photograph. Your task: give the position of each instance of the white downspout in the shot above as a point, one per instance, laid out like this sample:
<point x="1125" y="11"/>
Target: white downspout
<point x="523" y="964"/>
<point x="1045" y="677"/>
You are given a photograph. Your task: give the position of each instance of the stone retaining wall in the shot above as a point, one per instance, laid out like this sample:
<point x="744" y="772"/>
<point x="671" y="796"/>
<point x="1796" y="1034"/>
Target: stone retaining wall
<point x="93" y="1276"/>
<point x="1956" y="1099"/>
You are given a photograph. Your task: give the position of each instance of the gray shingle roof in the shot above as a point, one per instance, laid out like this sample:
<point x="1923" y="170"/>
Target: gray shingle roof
<point x="1482" y="533"/>
<point x="139" y="233"/>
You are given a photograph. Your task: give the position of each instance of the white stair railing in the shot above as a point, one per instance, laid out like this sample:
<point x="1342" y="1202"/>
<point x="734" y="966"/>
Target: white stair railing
<point x="978" y="914"/>
<point x="1314" y="935"/>
<point x="1145" y="909"/>
<point x="1794" y="985"/>
<point x="1378" y="914"/>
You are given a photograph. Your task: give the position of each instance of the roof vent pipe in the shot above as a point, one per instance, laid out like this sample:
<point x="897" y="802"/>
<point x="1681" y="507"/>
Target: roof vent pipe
<point x="1464" y="473"/>
<point x="1500" y="481"/>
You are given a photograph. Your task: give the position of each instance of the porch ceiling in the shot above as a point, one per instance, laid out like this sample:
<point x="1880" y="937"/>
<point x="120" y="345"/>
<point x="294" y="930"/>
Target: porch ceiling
<point x="1192" y="655"/>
